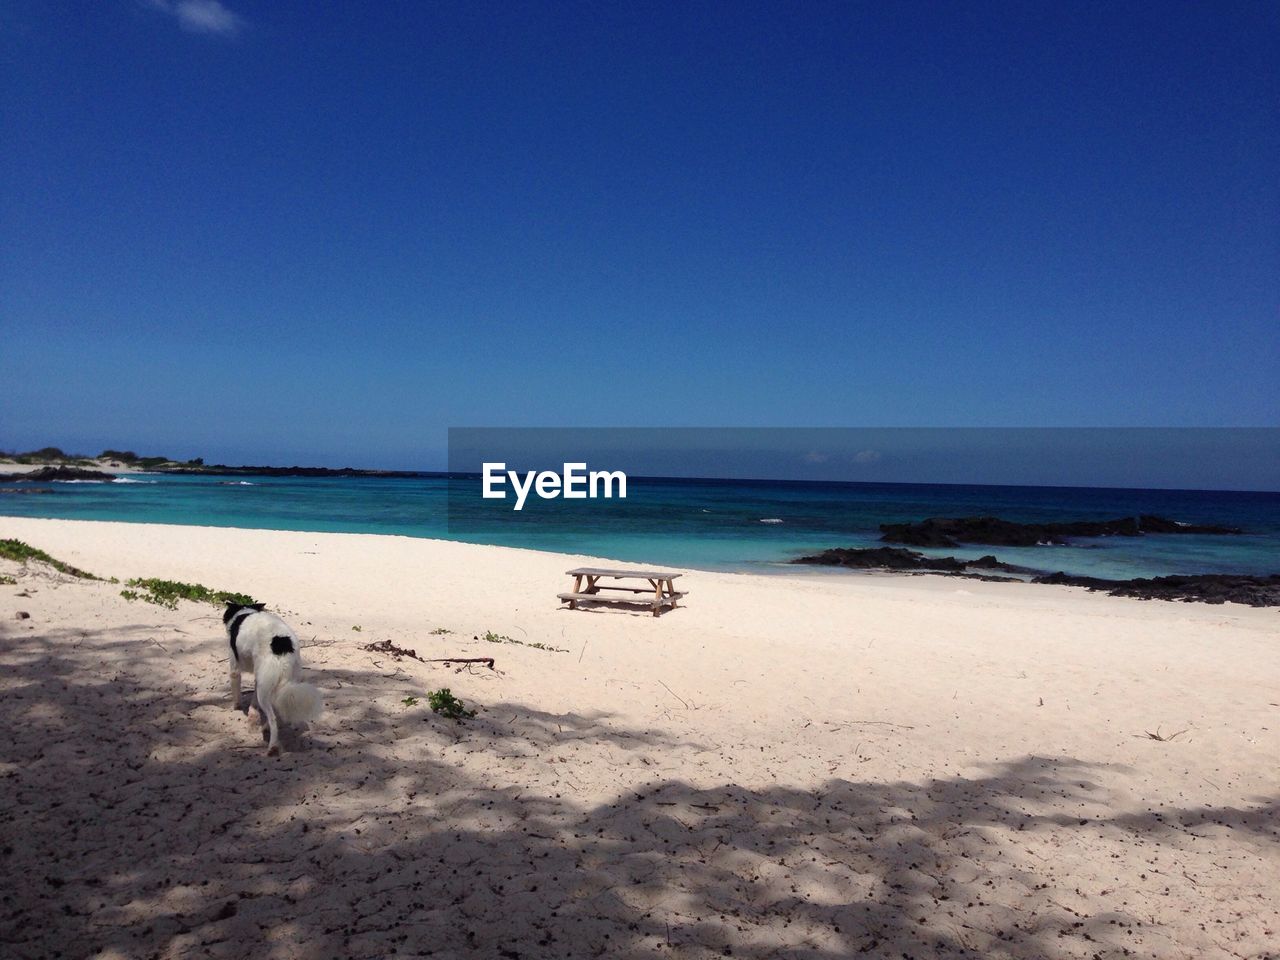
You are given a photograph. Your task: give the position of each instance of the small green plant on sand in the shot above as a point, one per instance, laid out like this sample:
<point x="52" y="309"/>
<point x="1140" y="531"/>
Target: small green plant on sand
<point x="410" y="701"/>
<point x="492" y="637"/>
<point x="440" y="631"/>
<point x="443" y="702"/>
<point x="357" y="628"/>
<point x="167" y="593"/>
<point x="24" y="553"/>
<point x="7" y="580"/>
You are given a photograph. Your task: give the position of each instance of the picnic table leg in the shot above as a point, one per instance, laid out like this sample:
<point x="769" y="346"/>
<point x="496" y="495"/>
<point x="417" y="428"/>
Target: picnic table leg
<point x="577" y="588"/>
<point x="657" y="596"/>
<point x="671" y="592"/>
<point x="591" y="584"/>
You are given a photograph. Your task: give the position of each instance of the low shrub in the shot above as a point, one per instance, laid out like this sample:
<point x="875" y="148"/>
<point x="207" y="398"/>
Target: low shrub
<point x="443" y="702"/>
<point x="167" y="593"/>
<point x="25" y="553"/>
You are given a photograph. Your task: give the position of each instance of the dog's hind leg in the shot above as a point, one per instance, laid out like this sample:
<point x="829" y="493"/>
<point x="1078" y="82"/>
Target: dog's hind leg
<point x="235" y="681"/>
<point x="268" y="711"/>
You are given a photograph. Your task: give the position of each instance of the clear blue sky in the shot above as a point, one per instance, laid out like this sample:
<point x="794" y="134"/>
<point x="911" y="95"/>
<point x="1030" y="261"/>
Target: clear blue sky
<point x="324" y="232"/>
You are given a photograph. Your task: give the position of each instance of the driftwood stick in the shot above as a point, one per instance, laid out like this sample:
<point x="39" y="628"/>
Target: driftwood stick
<point x="386" y="646"/>
<point x="487" y="661"/>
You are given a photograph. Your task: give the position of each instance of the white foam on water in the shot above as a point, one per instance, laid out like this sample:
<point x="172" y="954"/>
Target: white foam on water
<point x="771" y="520"/>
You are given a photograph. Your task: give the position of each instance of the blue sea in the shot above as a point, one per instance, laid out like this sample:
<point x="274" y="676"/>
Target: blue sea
<point x="707" y="524"/>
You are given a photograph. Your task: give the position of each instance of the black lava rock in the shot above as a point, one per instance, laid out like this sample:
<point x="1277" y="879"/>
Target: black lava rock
<point x="1204" y="588"/>
<point x="953" y="531"/>
<point x="896" y="558"/>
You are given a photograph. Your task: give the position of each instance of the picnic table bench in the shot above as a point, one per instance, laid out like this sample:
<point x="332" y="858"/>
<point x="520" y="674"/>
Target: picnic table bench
<point x="587" y="586"/>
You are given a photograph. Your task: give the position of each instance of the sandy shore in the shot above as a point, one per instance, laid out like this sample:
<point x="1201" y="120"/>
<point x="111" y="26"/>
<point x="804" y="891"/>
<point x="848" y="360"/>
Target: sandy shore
<point x="807" y="766"/>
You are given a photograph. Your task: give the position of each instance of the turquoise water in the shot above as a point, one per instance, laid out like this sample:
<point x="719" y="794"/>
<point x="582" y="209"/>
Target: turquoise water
<point x="691" y="523"/>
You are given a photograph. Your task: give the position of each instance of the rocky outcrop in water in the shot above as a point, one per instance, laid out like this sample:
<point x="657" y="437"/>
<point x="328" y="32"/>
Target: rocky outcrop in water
<point x="1202" y="588"/>
<point x="45" y="474"/>
<point x="1263" y="591"/>
<point x="952" y="532"/>
<point x="26" y="490"/>
<point x="896" y="558"/>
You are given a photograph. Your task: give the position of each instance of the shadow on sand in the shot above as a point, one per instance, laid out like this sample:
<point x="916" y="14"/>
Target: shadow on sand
<point x="142" y="820"/>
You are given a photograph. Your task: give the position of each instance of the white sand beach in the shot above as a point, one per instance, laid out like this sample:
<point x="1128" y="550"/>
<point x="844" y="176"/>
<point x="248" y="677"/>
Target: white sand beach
<point x="808" y="765"/>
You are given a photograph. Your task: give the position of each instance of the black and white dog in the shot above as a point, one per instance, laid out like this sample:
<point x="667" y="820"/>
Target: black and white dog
<point x="263" y="643"/>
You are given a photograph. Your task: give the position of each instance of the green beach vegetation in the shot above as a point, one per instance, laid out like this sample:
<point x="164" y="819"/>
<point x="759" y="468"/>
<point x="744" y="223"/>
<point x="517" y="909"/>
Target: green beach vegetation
<point x="443" y="702"/>
<point x="24" y="553"/>
<point x="167" y="593"/>
<point x="491" y="637"/>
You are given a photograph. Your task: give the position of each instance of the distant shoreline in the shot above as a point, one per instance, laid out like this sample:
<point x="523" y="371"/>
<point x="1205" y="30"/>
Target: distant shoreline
<point x="295" y="471"/>
<point x="126" y="462"/>
<point x="105" y="467"/>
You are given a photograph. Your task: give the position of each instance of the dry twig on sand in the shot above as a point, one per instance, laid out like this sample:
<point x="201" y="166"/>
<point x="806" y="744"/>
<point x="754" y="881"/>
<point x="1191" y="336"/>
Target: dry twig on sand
<point x="840" y="724"/>
<point x="386" y="646"/>
<point x="1148" y="735"/>
<point x="487" y="661"/>
<point x="676" y="695"/>
<point x="399" y="653"/>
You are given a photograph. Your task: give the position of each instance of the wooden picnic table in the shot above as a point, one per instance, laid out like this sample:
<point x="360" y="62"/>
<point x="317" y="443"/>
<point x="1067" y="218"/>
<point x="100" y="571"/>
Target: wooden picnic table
<point x="587" y="586"/>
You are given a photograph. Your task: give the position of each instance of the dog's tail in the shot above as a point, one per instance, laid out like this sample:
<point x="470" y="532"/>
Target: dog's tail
<point x="298" y="702"/>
